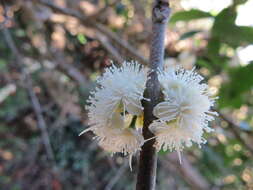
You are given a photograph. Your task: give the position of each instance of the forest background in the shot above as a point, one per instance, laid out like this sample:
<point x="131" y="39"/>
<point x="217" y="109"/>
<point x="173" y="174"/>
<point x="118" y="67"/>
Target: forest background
<point x="51" y="53"/>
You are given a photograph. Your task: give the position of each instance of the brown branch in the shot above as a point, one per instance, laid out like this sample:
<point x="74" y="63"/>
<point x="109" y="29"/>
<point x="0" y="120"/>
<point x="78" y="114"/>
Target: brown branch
<point x="116" y="177"/>
<point x="148" y="156"/>
<point x="98" y="13"/>
<point x="236" y="131"/>
<point x="34" y="100"/>
<point x="68" y="69"/>
<point x="186" y="171"/>
<point x="107" y="45"/>
<point x="122" y="43"/>
<point x="87" y="20"/>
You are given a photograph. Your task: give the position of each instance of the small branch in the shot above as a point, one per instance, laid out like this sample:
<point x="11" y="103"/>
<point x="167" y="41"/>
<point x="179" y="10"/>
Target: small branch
<point x="117" y="177"/>
<point x="98" y="13"/>
<point x="148" y="156"/>
<point x="236" y="131"/>
<point x="88" y="21"/>
<point x="107" y="45"/>
<point x="122" y="44"/>
<point x="190" y="174"/>
<point x="67" y="68"/>
<point x="34" y="100"/>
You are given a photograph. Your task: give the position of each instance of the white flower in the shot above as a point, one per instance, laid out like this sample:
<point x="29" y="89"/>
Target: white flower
<point x="120" y="88"/>
<point x="113" y="105"/>
<point x="185" y="112"/>
<point x="117" y="136"/>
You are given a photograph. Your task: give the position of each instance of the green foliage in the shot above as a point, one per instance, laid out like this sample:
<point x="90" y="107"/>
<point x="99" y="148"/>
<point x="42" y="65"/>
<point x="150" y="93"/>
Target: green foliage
<point x="204" y="63"/>
<point x="232" y="93"/>
<point x="82" y="39"/>
<point x="79" y="159"/>
<point x="189" y="34"/>
<point x="3" y="65"/>
<point x="226" y="31"/>
<point x="189" y="15"/>
<point x="14" y="103"/>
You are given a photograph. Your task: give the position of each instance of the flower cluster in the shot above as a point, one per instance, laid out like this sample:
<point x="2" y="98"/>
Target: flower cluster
<point x="115" y="110"/>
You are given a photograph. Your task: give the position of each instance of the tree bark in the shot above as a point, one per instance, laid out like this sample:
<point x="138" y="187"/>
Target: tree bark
<point x="146" y="179"/>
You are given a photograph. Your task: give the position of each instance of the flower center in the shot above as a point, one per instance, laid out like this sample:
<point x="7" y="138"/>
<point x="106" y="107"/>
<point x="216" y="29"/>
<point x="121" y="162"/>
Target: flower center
<point x="185" y="108"/>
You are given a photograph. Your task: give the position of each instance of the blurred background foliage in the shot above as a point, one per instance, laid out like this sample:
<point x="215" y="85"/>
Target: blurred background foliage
<point x="51" y="52"/>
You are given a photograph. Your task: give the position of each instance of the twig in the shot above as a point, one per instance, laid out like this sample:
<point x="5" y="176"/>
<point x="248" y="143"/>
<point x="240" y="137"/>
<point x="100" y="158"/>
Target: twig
<point x="148" y="156"/>
<point x="86" y="20"/>
<point x="236" y="131"/>
<point x="68" y="68"/>
<point x="116" y="178"/>
<point x="106" y="44"/>
<point x="186" y="171"/>
<point x="34" y="100"/>
<point x="103" y="9"/>
<point x="122" y="43"/>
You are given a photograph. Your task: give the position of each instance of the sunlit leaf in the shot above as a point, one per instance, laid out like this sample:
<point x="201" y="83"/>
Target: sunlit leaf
<point x="232" y="92"/>
<point x="189" y="15"/>
<point x="82" y="39"/>
<point x="228" y="32"/>
<point x="189" y="34"/>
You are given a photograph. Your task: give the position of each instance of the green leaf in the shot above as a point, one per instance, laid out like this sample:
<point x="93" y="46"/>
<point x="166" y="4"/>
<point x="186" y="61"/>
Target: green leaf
<point x="228" y="97"/>
<point x="189" y="34"/>
<point x="82" y="39"/>
<point x="245" y="33"/>
<point x="223" y="22"/>
<point x="241" y="78"/>
<point x="232" y="93"/>
<point x="225" y="30"/>
<point x="226" y="17"/>
<point x="213" y="47"/>
<point x="237" y="35"/>
<point x="203" y="63"/>
<point x="189" y="15"/>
